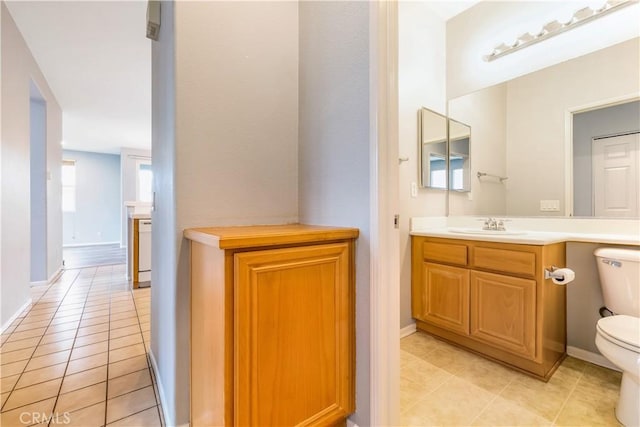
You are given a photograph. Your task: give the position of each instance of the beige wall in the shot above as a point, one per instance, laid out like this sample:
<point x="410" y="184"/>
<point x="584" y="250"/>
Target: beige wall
<point x="486" y="112"/>
<point x="421" y="83"/>
<point x="537" y="104"/>
<point x="18" y="68"/>
<point x="225" y="138"/>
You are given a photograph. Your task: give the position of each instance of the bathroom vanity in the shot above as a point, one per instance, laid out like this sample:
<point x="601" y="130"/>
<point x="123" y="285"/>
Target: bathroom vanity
<point x="272" y="325"/>
<point x="492" y="298"/>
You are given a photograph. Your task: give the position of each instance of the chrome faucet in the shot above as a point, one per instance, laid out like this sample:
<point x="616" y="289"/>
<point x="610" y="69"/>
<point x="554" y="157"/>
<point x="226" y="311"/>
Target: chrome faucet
<point x="494" y="224"/>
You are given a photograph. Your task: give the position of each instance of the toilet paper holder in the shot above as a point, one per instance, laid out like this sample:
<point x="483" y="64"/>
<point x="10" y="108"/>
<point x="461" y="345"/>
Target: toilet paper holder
<point x="551" y="273"/>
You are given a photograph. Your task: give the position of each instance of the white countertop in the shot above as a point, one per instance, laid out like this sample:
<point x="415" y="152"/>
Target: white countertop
<point x="531" y="237"/>
<point x="534" y="231"/>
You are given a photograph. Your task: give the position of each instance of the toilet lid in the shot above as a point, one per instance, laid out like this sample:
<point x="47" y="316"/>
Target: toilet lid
<point x="622" y="328"/>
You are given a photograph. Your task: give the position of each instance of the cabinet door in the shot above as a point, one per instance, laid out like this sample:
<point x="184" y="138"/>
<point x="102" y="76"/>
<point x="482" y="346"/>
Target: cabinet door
<point x="294" y="336"/>
<point x="503" y="312"/>
<point x="444" y="297"/>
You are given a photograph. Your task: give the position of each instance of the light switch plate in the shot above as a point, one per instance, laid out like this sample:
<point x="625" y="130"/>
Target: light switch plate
<point x="414" y="190"/>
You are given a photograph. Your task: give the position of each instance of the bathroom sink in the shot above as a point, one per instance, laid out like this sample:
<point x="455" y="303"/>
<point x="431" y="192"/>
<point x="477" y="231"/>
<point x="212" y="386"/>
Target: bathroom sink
<point x="487" y="232"/>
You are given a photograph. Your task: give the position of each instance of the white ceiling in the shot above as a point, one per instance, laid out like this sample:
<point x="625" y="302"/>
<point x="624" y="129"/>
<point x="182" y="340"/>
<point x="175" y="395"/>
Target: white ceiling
<point x="97" y="62"/>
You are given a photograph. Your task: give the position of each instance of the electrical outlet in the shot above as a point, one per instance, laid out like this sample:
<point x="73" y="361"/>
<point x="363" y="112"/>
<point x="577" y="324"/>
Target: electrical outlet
<point x="414" y="190"/>
<point x="550" y="205"/>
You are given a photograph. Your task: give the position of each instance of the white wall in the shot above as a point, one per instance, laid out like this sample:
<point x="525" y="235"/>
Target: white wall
<point x="97" y="215"/>
<point x="334" y="152"/>
<point x="537" y="104"/>
<point x="18" y="68"/>
<point x="421" y="83"/>
<point x="485" y="111"/>
<point x="479" y="29"/>
<point x="224" y="148"/>
<point x="38" y="184"/>
<point x="128" y="181"/>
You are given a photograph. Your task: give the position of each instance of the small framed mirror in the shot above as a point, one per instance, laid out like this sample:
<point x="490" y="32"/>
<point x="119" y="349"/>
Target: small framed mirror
<point x="433" y="149"/>
<point x="459" y="156"/>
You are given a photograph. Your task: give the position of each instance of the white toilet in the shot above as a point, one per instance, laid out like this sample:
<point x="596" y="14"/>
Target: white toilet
<point x="618" y="336"/>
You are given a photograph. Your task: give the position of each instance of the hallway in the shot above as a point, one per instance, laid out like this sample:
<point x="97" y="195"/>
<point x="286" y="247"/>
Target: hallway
<point x="78" y="355"/>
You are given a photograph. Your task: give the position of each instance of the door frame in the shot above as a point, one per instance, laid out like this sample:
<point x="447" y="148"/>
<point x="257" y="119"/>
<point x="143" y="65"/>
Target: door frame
<point x="385" y="238"/>
<point x="568" y="139"/>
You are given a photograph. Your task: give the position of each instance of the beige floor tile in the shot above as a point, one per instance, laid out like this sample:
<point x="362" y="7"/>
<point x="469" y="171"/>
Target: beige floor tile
<point x="96" y="307"/>
<point x="58" y="336"/>
<point x="419" y="344"/>
<point x="31" y="333"/>
<point x="501" y="412"/>
<point x="39" y="317"/>
<point x="451" y="359"/>
<point x="15" y="356"/>
<point x="61" y="327"/>
<point x="122" y="332"/>
<point x="442" y="407"/>
<point x="82" y="398"/>
<point x="91" y="339"/>
<point x="126" y="352"/>
<point x="601" y="377"/>
<point x="7" y="383"/>
<point x="53" y="347"/>
<point x="488" y="375"/>
<point x="84" y="379"/>
<point x="146" y="418"/>
<point x="543" y="399"/>
<point x="127" y="366"/>
<point x="93" y="329"/>
<point x="31" y="394"/>
<point x="124" y="315"/>
<point x="130" y="403"/>
<point x="27" y="415"/>
<point x="424" y="373"/>
<point x="14" y="368"/>
<point x="94" y="321"/>
<point x="3" y="398"/>
<point x="146" y="326"/>
<point x="19" y="345"/>
<point x="41" y="375"/>
<point x="86" y="363"/>
<point x="91" y="416"/>
<point x="125" y="341"/>
<point x="48" y="360"/>
<point x="31" y="326"/>
<point x="89" y="350"/>
<point x="96" y="313"/>
<point x="128" y="383"/>
<point x="124" y="323"/>
<point x="59" y="320"/>
<point x="589" y="404"/>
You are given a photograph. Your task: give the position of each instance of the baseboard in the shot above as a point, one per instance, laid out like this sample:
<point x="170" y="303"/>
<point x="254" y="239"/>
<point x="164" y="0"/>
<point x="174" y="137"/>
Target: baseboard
<point x="588" y="356"/>
<point x="163" y="399"/>
<point x="351" y="423"/>
<point x="78" y="245"/>
<point x="51" y="279"/>
<point x="407" y="330"/>
<point x="15" y="315"/>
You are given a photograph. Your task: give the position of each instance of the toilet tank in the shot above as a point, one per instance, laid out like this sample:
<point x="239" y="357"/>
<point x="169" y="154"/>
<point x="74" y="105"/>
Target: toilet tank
<point x="619" y="271"/>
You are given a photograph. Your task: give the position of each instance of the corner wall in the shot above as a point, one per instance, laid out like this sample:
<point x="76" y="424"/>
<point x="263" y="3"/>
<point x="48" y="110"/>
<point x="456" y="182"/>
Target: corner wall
<point x="334" y="152"/>
<point x="421" y="83"/>
<point x="224" y="151"/>
<point x="18" y="68"/>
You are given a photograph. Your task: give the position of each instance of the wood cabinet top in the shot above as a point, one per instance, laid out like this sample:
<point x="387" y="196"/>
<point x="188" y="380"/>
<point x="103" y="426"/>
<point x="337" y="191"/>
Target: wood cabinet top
<point x="267" y="235"/>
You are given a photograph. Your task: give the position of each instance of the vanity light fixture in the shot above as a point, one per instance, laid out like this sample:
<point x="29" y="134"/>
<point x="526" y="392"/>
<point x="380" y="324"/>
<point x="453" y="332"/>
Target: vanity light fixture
<point x="553" y="28"/>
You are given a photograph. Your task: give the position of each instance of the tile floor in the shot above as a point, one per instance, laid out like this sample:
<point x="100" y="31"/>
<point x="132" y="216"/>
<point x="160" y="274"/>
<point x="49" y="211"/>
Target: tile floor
<point x="77" y="356"/>
<point x="443" y="385"/>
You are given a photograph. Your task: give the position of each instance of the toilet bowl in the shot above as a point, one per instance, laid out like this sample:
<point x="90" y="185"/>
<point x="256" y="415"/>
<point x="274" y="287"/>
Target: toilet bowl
<point x="618" y="336"/>
<point x="618" y="339"/>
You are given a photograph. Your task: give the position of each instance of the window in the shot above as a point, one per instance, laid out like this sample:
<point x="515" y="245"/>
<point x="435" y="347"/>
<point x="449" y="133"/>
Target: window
<point x="144" y="180"/>
<point x="68" y="186"/>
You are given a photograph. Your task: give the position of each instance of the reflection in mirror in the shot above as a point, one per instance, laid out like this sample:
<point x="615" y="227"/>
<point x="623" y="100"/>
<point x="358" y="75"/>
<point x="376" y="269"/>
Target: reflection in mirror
<point x="526" y="129"/>
<point x="433" y="149"/>
<point x="459" y="156"/>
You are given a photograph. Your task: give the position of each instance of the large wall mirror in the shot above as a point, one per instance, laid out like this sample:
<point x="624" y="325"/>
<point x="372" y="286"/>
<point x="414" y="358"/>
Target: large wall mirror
<point x="445" y="154"/>
<point x="560" y="141"/>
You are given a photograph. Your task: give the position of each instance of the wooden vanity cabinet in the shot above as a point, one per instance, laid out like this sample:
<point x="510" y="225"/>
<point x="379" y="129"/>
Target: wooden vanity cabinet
<point x="493" y="299"/>
<point x="272" y="325"/>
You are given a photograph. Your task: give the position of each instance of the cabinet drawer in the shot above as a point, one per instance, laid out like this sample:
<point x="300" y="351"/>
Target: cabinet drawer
<point x="505" y="260"/>
<point x="448" y="253"/>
